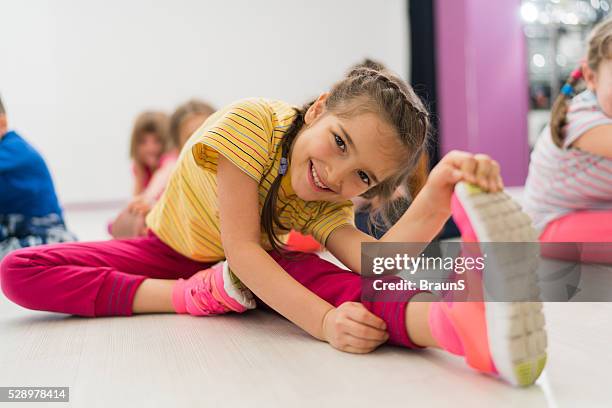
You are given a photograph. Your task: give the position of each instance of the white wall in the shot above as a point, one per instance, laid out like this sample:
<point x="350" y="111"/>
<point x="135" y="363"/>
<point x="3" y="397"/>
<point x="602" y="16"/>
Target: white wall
<point x="73" y="74"/>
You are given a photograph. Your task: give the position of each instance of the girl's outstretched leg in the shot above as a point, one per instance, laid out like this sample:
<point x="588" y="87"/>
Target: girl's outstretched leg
<point x="90" y="279"/>
<point x="337" y="286"/>
<point x="421" y="320"/>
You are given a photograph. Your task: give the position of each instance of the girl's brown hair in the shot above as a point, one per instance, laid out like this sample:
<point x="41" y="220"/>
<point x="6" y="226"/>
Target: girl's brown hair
<point x="149" y="122"/>
<point x="191" y="107"/>
<point x="599" y="49"/>
<point x="368" y="87"/>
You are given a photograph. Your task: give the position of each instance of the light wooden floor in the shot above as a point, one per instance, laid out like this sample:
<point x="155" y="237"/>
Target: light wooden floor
<point x="259" y="359"/>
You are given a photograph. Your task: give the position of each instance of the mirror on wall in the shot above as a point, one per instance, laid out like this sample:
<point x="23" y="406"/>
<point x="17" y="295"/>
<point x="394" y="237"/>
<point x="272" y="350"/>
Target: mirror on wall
<point x="556" y="32"/>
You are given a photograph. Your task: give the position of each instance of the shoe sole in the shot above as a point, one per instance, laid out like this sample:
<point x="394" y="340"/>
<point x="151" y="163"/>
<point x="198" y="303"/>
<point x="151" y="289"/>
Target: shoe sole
<point x="516" y="330"/>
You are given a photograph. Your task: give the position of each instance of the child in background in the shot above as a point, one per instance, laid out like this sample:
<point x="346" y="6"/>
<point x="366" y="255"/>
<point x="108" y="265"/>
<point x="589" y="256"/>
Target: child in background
<point x="568" y="191"/>
<point x="148" y="144"/>
<point x="183" y="122"/>
<point x="186" y="119"/>
<point x="30" y="213"/>
<point x="259" y="168"/>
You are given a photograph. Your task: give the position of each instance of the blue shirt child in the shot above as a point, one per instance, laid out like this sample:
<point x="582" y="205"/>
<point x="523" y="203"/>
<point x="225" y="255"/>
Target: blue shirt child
<point x="26" y="186"/>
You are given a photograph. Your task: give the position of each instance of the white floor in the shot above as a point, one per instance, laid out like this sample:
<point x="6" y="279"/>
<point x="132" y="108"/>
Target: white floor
<point x="260" y="359"/>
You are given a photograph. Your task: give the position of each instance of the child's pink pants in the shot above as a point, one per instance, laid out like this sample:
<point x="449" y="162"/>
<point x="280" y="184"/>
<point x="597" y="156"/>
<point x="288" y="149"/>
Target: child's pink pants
<point x="101" y="278"/>
<point x="590" y="233"/>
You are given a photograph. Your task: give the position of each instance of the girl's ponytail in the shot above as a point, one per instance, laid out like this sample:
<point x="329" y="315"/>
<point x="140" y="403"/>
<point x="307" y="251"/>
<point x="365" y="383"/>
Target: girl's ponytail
<point x="558" y="117"/>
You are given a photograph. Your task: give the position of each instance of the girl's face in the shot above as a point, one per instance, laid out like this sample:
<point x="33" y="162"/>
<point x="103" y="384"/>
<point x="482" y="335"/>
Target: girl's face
<point x="188" y="126"/>
<point x="600" y="82"/>
<point x="336" y="159"/>
<point x="149" y="150"/>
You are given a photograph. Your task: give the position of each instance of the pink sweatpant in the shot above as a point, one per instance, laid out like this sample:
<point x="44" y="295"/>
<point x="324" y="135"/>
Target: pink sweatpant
<point x="589" y="231"/>
<point x="101" y="278"/>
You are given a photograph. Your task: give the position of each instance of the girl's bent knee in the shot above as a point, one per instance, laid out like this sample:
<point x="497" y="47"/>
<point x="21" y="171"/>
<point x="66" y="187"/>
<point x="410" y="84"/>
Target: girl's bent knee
<point x="16" y="268"/>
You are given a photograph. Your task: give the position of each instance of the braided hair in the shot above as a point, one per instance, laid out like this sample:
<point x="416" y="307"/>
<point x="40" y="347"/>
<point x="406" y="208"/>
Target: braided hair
<point x="558" y="117"/>
<point x="368" y="87"/>
<point x="269" y="215"/>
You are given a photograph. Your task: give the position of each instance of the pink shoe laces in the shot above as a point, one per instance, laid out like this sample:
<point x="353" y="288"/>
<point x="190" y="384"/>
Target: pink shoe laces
<point x="203" y="298"/>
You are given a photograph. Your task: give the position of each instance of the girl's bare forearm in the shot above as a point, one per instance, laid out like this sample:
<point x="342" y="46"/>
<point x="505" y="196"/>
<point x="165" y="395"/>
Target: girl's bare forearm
<point x="419" y="224"/>
<point x="262" y="275"/>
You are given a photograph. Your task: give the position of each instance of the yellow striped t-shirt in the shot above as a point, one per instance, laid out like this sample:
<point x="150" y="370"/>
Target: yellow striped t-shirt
<point x="249" y="134"/>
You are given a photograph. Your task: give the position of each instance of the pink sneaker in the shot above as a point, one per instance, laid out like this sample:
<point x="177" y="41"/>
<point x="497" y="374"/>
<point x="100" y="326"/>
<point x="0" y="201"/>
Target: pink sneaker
<point x="212" y="291"/>
<point x="503" y="339"/>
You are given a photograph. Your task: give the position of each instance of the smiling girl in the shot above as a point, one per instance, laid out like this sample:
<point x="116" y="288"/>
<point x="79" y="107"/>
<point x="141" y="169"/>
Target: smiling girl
<point x="252" y="172"/>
